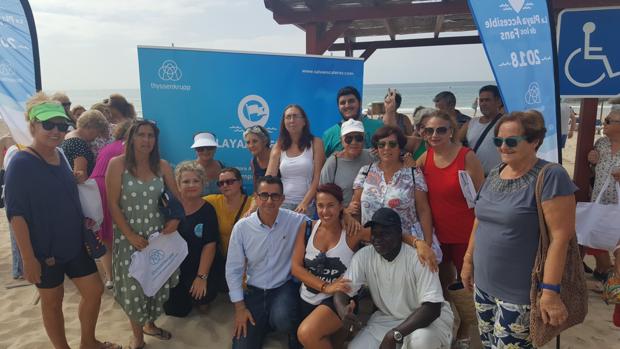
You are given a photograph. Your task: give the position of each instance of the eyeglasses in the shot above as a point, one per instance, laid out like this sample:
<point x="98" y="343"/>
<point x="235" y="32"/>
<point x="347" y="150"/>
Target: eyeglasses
<point x="429" y="131"/>
<point x="201" y="149"/>
<point x="350" y="138"/>
<point x="227" y="182"/>
<point x="60" y="126"/>
<point x="292" y="117"/>
<point x="609" y="121"/>
<point x="66" y="104"/>
<point x="264" y="196"/>
<point x="510" y="142"/>
<point x="390" y="144"/>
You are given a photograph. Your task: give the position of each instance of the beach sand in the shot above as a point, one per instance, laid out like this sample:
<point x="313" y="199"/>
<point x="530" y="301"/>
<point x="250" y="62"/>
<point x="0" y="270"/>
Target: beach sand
<point x="21" y="326"/>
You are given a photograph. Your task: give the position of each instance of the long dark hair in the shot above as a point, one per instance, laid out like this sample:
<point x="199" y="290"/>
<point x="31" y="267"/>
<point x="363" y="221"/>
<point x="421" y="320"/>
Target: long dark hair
<point x="130" y="154"/>
<point x="306" y="139"/>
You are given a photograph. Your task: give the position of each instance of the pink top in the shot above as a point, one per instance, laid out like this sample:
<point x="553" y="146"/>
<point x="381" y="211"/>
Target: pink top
<point x="106" y="153"/>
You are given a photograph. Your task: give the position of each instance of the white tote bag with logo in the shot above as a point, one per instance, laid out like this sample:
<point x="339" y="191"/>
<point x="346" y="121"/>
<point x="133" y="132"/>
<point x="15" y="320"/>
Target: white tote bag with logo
<point x="90" y="199"/>
<point x="598" y="225"/>
<point x="153" y="266"/>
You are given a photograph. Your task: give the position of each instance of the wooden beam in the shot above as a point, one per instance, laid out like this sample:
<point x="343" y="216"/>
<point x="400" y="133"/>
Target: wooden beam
<point x="585" y="137"/>
<point x="348" y="46"/>
<point x="319" y="40"/>
<point x="438" y="25"/>
<point x="367" y="53"/>
<point x="453" y="40"/>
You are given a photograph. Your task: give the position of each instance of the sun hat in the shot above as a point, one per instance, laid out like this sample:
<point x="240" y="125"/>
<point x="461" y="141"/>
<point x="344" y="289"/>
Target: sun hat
<point x="204" y="139"/>
<point x="46" y="111"/>
<point x="351" y="125"/>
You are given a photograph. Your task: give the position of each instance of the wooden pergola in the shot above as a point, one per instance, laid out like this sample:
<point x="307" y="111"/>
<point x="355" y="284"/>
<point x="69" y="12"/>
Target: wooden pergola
<point x="326" y="21"/>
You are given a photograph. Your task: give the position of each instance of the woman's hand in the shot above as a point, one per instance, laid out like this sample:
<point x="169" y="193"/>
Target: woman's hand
<point x="426" y="255"/>
<point x="351" y="225"/>
<point x="32" y="270"/>
<point x="339" y="285"/>
<point x="552" y="310"/>
<point x="593" y="157"/>
<point x="353" y="208"/>
<point x="302" y="208"/>
<point x="408" y="160"/>
<point x="170" y="226"/>
<point x="467" y="274"/>
<point x="137" y="241"/>
<point x="80" y="176"/>
<point x="199" y="288"/>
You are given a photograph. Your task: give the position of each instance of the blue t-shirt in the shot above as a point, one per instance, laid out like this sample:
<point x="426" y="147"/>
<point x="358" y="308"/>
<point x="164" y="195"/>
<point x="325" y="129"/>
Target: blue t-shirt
<point x="507" y="237"/>
<point x="46" y="196"/>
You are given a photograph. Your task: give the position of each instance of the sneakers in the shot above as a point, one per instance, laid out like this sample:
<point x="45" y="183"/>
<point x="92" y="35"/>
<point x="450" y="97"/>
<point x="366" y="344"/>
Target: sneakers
<point x="109" y="284"/>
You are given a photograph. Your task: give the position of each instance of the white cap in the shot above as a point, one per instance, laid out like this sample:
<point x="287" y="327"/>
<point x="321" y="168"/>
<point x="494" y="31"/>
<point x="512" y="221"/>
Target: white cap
<point x="351" y="125"/>
<point x="204" y="139"/>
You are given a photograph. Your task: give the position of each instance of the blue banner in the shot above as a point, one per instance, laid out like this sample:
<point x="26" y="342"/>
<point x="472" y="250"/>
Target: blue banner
<point x="19" y="65"/>
<point x="188" y="91"/>
<point x="517" y="38"/>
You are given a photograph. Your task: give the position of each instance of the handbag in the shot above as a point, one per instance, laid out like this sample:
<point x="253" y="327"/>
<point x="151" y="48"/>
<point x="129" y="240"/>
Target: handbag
<point x="597" y="224"/>
<point x="169" y="206"/>
<point x="611" y="289"/>
<point x="573" y="284"/>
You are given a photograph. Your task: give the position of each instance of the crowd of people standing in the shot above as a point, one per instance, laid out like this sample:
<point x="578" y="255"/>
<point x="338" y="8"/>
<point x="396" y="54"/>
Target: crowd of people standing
<point x="372" y="209"/>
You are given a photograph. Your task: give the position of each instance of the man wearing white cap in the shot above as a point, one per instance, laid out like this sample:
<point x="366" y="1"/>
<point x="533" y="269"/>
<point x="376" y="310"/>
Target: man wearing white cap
<point x="205" y="146"/>
<point x="342" y="167"/>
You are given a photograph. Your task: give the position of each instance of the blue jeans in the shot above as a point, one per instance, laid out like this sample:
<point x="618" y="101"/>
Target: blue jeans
<point x="18" y="268"/>
<point x="276" y="309"/>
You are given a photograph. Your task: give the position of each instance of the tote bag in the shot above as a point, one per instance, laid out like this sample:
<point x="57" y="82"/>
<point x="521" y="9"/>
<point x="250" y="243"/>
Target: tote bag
<point x="598" y="225"/>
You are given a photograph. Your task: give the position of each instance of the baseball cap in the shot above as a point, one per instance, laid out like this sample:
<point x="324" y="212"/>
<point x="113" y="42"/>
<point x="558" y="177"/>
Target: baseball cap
<point x="46" y="111"/>
<point x="384" y="216"/>
<point x="204" y="139"/>
<point x="351" y="125"/>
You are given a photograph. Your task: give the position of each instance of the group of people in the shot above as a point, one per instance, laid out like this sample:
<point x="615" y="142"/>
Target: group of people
<point x="369" y="208"/>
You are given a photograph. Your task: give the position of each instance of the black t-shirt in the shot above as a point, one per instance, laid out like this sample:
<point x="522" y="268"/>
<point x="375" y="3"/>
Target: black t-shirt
<point x="76" y="147"/>
<point x="198" y="229"/>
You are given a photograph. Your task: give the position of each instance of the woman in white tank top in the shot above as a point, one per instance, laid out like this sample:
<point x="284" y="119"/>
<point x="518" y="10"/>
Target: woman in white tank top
<point x="299" y="157"/>
<point x="322" y="254"/>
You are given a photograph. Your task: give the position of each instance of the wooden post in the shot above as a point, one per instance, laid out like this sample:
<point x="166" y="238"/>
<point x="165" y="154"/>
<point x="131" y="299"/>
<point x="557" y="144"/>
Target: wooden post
<point x="585" y="142"/>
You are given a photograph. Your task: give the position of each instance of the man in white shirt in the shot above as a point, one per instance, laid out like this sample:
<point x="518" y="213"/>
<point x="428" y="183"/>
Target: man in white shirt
<point x="411" y="309"/>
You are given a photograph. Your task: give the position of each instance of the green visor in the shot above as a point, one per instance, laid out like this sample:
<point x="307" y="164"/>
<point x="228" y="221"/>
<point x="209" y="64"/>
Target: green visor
<point x="46" y="111"/>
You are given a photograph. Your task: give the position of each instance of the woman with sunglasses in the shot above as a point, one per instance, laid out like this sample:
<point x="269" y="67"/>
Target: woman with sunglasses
<point x="389" y="183"/>
<point x="230" y="205"/>
<point x="452" y="217"/>
<point x="605" y="161"/>
<point x="342" y="167"/>
<point x="202" y="271"/>
<point x="299" y="157"/>
<point x="505" y="237"/>
<point x="258" y="142"/>
<point x="43" y="208"/>
<point x="135" y="182"/>
<point x="205" y="146"/>
<point x="76" y="146"/>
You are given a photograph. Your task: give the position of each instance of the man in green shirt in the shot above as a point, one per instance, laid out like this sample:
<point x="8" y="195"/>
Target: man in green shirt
<point x="349" y="106"/>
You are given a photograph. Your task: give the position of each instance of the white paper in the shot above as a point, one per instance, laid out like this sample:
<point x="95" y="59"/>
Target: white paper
<point x="468" y="189"/>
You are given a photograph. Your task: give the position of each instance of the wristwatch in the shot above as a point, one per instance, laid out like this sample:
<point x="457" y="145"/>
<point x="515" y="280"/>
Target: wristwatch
<point x="202" y="276"/>
<point x="398" y="337"/>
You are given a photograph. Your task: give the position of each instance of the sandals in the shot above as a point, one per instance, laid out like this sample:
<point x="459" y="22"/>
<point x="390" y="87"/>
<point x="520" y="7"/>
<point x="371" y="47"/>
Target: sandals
<point x="159" y="333"/>
<point x="110" y="345"/>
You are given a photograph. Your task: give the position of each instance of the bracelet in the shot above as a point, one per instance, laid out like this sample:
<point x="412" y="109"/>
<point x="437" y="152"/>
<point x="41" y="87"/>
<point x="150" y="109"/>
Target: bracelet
<point x="202" y="276"/>
<point x="543" y="286"/>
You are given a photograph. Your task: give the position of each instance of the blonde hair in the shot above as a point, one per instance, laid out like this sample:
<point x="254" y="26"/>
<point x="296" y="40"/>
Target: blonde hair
<point x="94" y="119"/>
<point x="38" y="98"/>
<point x="190" y="166"/>
<point x="103" y="108"/>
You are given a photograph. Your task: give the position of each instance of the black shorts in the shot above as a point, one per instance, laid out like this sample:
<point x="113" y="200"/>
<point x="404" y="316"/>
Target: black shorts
<point x="307" y="308"/>
<point x="81" y="265"/>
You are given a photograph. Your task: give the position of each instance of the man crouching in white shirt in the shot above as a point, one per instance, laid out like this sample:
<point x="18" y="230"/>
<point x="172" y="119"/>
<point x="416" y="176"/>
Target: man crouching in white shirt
<point x="412" y="312"/>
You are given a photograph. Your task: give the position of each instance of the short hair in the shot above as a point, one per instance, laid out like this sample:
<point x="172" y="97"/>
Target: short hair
<point x="189" y="166"/>
<point x="532" y="122"/>
<point x="348" y="90"/>
<point x="331" y="189"/>
<point x="491" y="88"/>
<point x="446" y="96"/>
<point x="387" y="131"/>
<point x="118" y="102"/>
<point x="397" y="98"/>
<point x="260" y="132"/>
<point x="120" y="131"/>
<point x="94" y="119"/>
<point x="235" y="171"/>
<point x="61" y="97"/>
<point x="270" y="180"/>
<point x="103" y="108"/>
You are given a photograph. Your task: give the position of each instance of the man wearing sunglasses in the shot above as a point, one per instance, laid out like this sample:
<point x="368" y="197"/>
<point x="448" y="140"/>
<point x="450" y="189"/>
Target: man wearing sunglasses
<point x="262" y="246"/>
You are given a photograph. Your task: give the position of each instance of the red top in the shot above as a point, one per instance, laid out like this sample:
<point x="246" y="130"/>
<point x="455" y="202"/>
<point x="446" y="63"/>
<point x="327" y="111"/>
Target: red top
<point x="452" y="219"/>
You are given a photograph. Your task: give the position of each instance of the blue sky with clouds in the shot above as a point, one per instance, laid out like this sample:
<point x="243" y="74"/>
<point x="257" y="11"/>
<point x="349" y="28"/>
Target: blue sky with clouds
<point x="90" y="44"/>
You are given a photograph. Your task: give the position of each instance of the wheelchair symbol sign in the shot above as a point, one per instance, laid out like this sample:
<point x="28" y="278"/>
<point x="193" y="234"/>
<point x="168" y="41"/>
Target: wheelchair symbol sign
<point x="588" y="55"/>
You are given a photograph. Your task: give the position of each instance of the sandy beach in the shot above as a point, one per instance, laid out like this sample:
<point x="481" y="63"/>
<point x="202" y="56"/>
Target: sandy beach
<point x="21" y="326"/>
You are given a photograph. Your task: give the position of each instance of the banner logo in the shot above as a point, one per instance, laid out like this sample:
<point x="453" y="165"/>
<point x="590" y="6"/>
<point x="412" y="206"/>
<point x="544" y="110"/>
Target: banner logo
<point x="170" y="71"/>
<point x="253" y="110"/>
<point x="6" y="69"/>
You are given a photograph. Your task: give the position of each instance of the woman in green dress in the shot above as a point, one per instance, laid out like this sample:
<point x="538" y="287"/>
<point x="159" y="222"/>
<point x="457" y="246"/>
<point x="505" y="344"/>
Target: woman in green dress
<point x="134" y="183"/>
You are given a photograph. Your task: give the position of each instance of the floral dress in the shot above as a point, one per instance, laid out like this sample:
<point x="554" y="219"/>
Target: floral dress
<point x="397" y="195"/>
<point x="607" y="164"/>
<point x="139" y="205"/>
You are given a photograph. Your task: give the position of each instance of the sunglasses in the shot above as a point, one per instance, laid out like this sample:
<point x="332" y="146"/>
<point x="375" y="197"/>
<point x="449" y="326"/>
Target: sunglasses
<point x="390" y="144"/>
<point x="60" y="126"/>
<point x="429" y="131"/>
<point x="350" y="138"/>
<point x="264" y="196"/>
<point x="201" y="149"/>
<point x="66" y="104"/>
<point x="510" y="142"/>
<point x="609" y="121"/>
<point x="227" y="182"/>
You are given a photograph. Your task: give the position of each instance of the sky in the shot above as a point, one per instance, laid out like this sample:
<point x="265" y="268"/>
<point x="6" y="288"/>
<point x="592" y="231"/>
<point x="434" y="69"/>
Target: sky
<point x="92" y="44"/>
